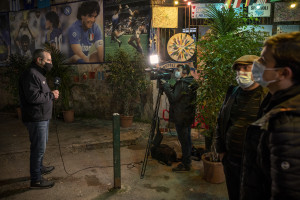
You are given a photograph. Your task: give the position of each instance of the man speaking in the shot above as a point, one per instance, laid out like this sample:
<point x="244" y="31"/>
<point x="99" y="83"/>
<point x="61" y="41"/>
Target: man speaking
<point x="36" y="100"/>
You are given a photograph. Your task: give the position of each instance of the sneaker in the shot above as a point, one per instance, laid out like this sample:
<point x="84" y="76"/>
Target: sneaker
<point x="47" y="170"/>
<point x="120" y="44"/>
<point x="42" y="184"/>
<point x="181" y="168"/>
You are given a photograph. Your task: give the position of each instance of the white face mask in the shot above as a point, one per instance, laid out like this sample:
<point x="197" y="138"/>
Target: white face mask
<point x="177" y="74"/>
<point x="244" y="79"/>
<point x="258" y="70"/>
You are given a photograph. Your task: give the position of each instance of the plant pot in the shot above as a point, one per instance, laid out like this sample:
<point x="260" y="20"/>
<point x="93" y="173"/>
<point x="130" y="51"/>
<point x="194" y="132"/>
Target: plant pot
<point x="126" y="121"/>
<point x="68" y="115"/>
<point x="213" y="171"/>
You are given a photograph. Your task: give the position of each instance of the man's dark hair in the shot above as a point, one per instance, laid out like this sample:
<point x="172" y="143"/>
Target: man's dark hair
<point x="53" y="18"/>
<point x="185" y="68"/>
<point x="38" y="53"/>
<point x="88" y="7"/>
<point x="285" y="49"/>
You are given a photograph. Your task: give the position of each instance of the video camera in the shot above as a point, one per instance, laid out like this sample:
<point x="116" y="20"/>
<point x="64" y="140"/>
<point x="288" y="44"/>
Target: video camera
<point x="157" y="74"/>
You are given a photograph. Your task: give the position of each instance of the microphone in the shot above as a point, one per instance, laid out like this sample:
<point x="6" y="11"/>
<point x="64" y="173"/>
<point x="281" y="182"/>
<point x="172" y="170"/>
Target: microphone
<point x="56" y="82"/>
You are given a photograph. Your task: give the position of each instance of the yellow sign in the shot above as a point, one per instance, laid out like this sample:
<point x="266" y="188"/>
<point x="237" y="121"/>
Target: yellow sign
<point x="165" y="17"/>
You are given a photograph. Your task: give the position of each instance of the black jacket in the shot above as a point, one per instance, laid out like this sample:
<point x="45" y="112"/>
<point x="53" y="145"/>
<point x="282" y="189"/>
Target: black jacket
<point x="275" y="172"/>
<point x="223" y="122"/>
<point x="182" y="100"/>
<point x="36" y="98"/>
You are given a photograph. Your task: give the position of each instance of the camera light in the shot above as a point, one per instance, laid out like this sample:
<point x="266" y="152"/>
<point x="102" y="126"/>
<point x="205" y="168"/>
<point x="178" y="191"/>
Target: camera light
<point x="293" y="5"/>
<point x="154" y="59"/>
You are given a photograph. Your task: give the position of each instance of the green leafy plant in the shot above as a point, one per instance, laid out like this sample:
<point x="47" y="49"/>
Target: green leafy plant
<point x="64" y="72"/>
<point x="127" y="78"/>
<point x="17" y="64"/>
<point x="217" y="51"/>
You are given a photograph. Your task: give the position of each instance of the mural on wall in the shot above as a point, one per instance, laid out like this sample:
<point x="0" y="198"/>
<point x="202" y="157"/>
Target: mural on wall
<point x="287" y="28"/>
<point x="75" y="28"/>
<point x="283" y="12"/>
<point x="4" y="39"/>
<point x="165" y="17"/>
<point x="127" y="26"/>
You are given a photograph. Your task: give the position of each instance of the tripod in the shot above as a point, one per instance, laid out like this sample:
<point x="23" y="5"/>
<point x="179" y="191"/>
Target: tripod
<point x="154" y="124"/>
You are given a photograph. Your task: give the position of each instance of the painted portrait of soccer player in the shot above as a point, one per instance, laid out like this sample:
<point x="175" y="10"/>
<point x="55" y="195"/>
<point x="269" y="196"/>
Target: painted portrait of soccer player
<point x="85" y="36"/>
<point x="54" y="32"/>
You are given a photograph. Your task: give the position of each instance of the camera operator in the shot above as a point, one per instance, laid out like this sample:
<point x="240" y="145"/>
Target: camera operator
<point x="182" y="99"/>
<point x="36" y="100"/>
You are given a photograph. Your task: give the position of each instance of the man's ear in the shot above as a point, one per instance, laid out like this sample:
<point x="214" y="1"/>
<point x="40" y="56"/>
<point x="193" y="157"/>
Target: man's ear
<point x="287" y="73"/>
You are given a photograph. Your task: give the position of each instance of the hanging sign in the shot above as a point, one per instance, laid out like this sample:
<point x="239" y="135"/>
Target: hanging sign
<point x="287" y="28"/>
<point x="199" y="9"/>
<point x="259" y="10"/>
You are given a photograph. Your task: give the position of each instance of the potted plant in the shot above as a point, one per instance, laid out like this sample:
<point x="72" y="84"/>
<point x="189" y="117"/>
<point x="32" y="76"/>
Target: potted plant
<point x="217" y="51"/>
<point x="17" y="64"/>
<point x="127" y="79"/>
<point x="64" y="72"/>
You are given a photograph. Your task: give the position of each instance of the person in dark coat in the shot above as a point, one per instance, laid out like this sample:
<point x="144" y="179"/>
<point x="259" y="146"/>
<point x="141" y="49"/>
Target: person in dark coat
<point x="239" y="109"/>
<point x="274" y="173"/>
<point x="182" y="100"/>
<point x="36" y="100"/>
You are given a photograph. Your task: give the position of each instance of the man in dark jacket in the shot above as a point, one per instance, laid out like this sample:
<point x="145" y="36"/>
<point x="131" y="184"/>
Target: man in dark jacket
<point x="36" y="104"/>
<point x="275" y="172"/>
<point x="182" y="111"/>
<point x="239" y="109"/>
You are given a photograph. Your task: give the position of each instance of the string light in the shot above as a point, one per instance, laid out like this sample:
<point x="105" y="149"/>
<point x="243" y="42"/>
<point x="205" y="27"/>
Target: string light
<point x="189" y="3"/>
<point x="176" y="2"/>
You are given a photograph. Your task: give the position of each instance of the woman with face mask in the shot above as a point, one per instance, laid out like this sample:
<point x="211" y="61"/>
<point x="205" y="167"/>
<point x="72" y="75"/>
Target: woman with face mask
<point x="239" y="110"/>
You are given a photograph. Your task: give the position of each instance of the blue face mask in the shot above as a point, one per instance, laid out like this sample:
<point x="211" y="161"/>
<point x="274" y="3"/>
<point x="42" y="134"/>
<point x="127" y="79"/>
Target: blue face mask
<point x="177" y="74"/>
<point x="258" y="70"/>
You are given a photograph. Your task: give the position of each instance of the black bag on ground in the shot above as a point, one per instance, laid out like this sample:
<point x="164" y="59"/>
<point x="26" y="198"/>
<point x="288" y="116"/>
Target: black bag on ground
<point x="164" y="154"/>
<point x="197" y="153"/>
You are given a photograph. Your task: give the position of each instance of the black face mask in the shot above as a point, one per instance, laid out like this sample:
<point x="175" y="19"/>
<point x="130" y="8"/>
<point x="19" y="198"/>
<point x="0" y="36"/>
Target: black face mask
<point x="48" y="67"/>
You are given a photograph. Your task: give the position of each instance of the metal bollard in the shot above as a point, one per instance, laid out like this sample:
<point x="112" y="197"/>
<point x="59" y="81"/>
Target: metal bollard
<point x="116" y="151"/>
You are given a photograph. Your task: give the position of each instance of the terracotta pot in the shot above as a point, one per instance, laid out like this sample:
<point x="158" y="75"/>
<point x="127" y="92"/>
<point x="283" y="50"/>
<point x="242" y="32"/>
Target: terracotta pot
<point x="213" y="171"/>
<point x="126" y="121"/>
<point x="68" y="115"/>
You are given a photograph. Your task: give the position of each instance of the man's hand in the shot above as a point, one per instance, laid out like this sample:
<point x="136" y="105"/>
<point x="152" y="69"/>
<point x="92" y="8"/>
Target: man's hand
<point x="56" y="94"/>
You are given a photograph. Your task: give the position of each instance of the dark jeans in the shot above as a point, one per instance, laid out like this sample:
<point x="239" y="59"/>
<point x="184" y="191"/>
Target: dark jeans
<point x="184" y="136"/>
<point x="38" y="135"/>
<point x="232" y="171"/>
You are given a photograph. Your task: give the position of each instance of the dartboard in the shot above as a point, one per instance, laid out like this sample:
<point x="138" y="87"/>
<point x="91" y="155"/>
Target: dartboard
<point x="181" y="47"/>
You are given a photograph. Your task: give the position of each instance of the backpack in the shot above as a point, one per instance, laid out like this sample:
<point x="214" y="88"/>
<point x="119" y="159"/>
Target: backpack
<point x="164" y="154"/>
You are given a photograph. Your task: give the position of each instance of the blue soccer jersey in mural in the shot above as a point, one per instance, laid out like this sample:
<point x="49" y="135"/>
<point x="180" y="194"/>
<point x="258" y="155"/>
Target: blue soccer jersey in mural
<point x="54" y="38"/>
<point x="86" y="39"/>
